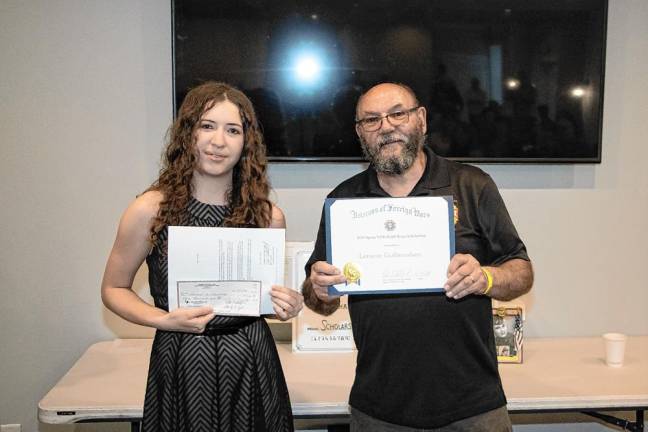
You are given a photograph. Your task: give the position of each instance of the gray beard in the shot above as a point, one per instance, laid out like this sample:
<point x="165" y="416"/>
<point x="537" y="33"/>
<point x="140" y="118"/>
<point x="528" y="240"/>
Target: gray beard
<point x="394" y="165"/>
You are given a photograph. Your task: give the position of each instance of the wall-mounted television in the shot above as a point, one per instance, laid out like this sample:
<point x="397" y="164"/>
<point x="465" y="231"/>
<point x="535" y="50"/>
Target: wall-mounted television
<point x="512" y="81"/>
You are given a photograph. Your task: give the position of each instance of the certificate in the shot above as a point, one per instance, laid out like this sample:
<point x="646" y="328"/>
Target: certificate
<point x="242" y="298"/>
<point x="198" y="254"/>
<point x="390" y="245"/>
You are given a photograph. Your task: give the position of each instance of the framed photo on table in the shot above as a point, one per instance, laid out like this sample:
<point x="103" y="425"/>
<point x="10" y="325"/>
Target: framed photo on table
<point x="507" y="327"/>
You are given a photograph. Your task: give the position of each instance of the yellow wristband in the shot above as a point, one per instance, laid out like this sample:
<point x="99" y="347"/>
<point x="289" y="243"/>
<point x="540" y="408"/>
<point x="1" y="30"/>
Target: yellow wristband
<point x="489" y="280"/>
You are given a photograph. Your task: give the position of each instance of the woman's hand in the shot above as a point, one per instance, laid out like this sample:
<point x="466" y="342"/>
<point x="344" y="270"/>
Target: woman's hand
<point x="286" y="302"/>
<point x="186" y="319"/>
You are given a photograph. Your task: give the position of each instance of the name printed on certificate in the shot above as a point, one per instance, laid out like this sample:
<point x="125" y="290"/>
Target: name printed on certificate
<point x="241" y="298"/>
<point x="390" y="245"/>
<point x="198" y="254"/>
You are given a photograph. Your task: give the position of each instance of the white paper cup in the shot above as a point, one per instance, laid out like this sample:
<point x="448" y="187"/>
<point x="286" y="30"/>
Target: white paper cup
<point x="614" y="348"/>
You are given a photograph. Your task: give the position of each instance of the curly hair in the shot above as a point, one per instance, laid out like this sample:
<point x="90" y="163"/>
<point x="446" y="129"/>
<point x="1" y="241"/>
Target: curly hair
<point x="247" y="199"/>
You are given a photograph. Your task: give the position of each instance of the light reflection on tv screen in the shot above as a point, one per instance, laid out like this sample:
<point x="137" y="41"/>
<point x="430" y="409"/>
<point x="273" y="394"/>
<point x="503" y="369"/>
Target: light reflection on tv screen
<point x="502" y="81"/>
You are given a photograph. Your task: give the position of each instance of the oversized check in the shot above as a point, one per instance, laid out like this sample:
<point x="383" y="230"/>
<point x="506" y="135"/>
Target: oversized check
<point x="390" y="245"/>
<point x="206" y="255"/>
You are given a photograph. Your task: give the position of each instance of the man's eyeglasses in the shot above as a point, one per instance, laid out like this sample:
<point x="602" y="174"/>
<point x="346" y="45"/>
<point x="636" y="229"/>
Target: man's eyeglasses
<point x="373" y="123"/>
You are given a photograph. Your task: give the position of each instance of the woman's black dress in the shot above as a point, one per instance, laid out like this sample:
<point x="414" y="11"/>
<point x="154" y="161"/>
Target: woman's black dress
<point x="228" y="379"/>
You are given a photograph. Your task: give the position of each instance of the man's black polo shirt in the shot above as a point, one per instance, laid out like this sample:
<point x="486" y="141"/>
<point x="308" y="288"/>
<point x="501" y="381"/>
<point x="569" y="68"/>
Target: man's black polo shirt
<point x="424" y="360"/>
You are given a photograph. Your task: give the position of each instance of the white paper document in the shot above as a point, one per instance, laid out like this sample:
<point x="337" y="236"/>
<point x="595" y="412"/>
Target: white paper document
<point x="229" y="255"/>
<point x="239" y="298"/>
<point x="389" y="245"/>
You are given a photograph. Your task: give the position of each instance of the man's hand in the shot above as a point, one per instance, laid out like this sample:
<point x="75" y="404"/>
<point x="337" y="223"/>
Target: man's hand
<point x="511" y="279"/>
<point x="322" y="276"/>
<point x="464" y="277"/>
<point x="315" y="288"/>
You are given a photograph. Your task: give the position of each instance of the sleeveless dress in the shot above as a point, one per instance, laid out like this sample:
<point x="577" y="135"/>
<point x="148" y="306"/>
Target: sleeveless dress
<point x="228" y="379"/>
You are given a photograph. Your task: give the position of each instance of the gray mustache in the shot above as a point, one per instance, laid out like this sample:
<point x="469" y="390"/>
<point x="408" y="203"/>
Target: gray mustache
<point x="386" y="139"/>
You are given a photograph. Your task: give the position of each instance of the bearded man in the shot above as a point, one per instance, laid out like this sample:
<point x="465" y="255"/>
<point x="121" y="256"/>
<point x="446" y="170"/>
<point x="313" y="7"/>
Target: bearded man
<point x="426" y="361"/>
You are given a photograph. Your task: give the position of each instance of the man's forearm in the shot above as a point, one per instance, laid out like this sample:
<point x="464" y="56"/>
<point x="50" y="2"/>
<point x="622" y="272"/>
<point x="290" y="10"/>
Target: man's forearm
<point x="315" y="304"/>
<point x="511" y="279"/>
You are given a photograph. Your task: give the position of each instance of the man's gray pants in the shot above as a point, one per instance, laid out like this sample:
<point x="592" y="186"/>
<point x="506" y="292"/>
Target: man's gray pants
<point x="496" y="420"/>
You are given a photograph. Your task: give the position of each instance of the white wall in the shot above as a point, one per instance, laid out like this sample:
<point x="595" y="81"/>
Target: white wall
<point x="85" y="99"/>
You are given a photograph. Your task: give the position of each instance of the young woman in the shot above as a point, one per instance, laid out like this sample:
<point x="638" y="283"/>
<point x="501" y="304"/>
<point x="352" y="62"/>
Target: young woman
<point x="207" y="372"/>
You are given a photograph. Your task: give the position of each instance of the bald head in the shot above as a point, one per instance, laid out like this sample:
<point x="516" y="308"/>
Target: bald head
<point x="391" y="94"/>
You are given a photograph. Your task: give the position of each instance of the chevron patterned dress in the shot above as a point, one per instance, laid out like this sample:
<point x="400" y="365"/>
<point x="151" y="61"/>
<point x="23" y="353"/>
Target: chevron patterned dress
<point x="228" y="379"/>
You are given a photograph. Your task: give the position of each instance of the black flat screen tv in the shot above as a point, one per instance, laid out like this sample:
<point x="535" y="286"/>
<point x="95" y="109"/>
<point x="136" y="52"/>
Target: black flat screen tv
<point x="511" y="81"/>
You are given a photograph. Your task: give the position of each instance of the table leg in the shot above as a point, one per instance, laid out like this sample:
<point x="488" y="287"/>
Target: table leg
<point x="640" y="421"/>
<point x="636" y="426"/>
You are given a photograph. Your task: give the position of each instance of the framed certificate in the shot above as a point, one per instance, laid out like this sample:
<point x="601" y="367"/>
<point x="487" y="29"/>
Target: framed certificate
<point x="313" y="332"/>
<point x="390" y="245"/>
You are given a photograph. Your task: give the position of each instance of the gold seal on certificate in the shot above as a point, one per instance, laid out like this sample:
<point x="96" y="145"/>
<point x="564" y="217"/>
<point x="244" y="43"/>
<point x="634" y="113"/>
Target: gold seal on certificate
<point x="352" y="273"/>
